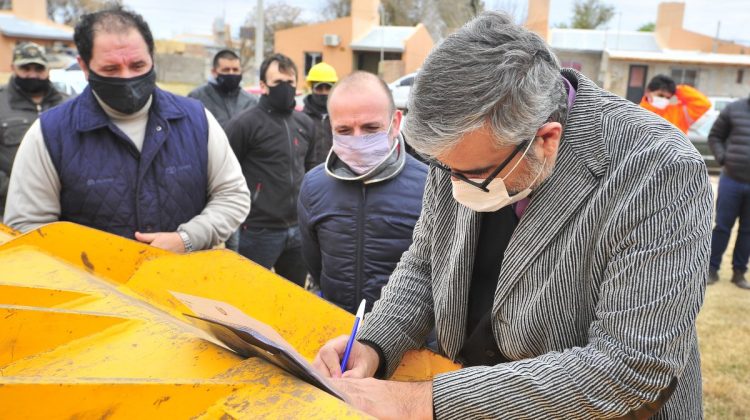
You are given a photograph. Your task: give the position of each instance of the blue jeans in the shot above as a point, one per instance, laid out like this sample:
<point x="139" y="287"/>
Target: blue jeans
<point x="732" y="202"/>
<point x="233" y="242"/>
<point x="277" y="248"/>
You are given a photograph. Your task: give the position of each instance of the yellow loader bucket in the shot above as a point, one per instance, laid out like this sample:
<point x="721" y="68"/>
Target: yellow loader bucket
<point x="89" y="330"/>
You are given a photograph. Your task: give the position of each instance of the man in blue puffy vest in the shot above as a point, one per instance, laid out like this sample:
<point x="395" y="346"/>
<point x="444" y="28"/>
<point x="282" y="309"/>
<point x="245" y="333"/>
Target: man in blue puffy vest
<point x="125" y="156"/>
<point x="358" y="209"/>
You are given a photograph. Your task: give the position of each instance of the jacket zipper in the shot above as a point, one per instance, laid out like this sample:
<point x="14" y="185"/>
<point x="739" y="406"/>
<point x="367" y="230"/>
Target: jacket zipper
<point x="360" y="248"/>
<point x="291" y="164"/>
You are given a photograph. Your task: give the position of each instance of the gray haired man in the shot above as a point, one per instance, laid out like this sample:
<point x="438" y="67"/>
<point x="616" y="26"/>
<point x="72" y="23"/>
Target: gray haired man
<point x="561" y="254"/>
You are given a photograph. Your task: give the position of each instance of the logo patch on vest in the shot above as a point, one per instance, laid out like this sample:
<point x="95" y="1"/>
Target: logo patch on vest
<point x="171" y="170"/>
<point x="91" y="182"/>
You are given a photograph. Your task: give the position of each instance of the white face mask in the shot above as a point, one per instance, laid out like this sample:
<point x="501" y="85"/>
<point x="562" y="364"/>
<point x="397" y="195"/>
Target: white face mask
<point x="365" y="152"/>
<point x="659" y="102"/>
<point x="497" y="197"/>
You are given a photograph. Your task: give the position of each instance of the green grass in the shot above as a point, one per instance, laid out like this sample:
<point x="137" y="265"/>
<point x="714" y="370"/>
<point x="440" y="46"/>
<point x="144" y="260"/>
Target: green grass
<point x="724" y="334"/>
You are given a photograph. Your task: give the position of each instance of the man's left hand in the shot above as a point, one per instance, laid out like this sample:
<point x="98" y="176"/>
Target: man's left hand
<point x="171" y="241"/>
<point x="388" y="399"/>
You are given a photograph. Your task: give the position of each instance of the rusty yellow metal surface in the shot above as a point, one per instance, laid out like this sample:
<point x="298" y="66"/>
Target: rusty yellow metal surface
<point x="88" y="326"/>
<point x="6" y="233"/>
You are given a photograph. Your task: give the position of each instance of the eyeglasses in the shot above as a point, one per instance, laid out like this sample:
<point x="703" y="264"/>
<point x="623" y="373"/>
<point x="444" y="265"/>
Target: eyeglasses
<point x="321" y="86"/>
<point x="481" y="185"/>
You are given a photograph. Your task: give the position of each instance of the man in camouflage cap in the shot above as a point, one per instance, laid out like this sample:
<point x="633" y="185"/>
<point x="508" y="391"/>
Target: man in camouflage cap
<point x="26" y="95"/>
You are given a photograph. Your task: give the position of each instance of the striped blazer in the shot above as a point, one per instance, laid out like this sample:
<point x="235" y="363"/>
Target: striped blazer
<point x="600" y="285"/>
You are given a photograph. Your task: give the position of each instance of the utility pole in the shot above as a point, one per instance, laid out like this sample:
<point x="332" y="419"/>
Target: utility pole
<point x="716" y="39"/>
<point x="259" y="42"/>
<point x="381" y="9"/>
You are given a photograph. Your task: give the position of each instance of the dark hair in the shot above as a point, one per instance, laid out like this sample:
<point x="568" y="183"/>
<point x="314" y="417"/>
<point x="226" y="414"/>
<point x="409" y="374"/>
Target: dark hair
<point x="662" y="82"/>
<point x="285" y="65"/>
<point x="112" y="20"/>
<point x="226" y="55"/>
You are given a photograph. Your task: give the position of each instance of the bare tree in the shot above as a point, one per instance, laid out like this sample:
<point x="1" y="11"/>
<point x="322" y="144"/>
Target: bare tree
<point x="335" y="9"/>
<point x="69" y="11"/>
<point x="277" y="16"/>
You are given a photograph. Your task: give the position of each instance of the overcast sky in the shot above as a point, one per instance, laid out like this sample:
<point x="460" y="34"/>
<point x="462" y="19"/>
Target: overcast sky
<point x="173" y="17"/>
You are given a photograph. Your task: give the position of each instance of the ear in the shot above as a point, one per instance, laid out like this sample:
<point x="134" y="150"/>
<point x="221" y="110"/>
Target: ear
<point x="214" y="73"/>
<point x="396" y="123"/>
<point x="83" y="66"/>
<point x="264" y="88"/>
<point x="550" y="134"/>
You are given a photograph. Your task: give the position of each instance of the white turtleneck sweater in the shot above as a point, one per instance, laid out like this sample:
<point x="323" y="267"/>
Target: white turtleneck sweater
<point x="34" y="190"/>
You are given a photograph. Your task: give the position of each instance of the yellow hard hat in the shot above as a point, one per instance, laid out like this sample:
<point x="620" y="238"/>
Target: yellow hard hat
<point x="322" y="73"/>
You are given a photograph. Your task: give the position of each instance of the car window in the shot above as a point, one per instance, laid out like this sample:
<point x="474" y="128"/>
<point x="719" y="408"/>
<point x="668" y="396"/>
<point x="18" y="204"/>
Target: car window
<point x="407" y="82"/>
<point x="703" y="126"/>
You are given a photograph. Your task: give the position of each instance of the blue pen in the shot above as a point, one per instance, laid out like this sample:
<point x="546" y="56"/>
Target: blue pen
<point x="357" y="320"/>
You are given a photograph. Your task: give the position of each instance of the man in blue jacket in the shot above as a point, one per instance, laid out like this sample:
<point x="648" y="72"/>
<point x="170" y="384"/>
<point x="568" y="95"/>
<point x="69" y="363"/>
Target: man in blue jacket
<point x="126" y="157"/>
<point x="357" y="210"/>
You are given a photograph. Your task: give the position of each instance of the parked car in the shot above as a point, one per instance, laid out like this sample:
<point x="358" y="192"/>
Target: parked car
<point x="400" y="90"/>
<point x="69" y="80"/>
<point x="718" y="103"/>
<point x="698" y="135"/>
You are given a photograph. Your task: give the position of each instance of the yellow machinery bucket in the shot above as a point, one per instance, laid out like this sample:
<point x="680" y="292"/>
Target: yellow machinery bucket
<point x="88" y="330"/>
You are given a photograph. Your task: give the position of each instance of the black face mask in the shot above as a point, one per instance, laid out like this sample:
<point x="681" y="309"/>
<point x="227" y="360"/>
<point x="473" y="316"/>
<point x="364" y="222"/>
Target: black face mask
<point x="281" y="97"/>
<point x="121" y="94"/>
<point x="228" y="82"/>
<point x="32" y="85"/>
<point x="319" y="100"/>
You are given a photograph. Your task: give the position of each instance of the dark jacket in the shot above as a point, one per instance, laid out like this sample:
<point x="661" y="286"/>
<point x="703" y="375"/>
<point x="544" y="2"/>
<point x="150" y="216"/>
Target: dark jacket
<point x="730" y="140"/>
<point x="223" y="106"/>
<point x="354" y="229"/>
<point x="273" y="149"/>
<point x="17" y="113"/>
<point x="323" y="139"/>
<point x="108" y="185"/>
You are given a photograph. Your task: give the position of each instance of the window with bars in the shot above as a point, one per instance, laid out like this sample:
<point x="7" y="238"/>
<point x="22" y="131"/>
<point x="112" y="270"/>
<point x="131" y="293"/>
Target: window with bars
<point x="685" y="76"/>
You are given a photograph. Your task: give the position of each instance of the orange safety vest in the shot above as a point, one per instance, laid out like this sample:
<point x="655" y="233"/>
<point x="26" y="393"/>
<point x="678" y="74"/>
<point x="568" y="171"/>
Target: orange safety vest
<point x="691" y="105"/>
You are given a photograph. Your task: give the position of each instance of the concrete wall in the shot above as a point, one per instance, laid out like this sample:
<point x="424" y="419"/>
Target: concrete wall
<point x="670" y="33"/>
<point x="713" y="80"/>
<point x="7" y="44"/>
<point x="34" y="10"/>
<point x="391" y="70"/>
<point x="537" y="19"/>
<point x="176" y="68"/>
<point x="295" y="42"/>
<point x="364" y="17"/>
<point x="416" y="49"/>
<point x="590" y="63"/>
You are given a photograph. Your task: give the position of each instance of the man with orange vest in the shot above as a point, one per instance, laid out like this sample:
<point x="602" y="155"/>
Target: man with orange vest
<point x="681" y="105"/>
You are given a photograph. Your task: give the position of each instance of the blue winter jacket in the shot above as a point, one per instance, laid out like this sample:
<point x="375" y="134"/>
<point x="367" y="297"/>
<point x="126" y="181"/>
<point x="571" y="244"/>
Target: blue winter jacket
<point x="355" y="228"/>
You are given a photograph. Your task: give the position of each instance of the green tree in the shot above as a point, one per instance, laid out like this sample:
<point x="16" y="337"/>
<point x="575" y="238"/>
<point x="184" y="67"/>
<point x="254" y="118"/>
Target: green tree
<point x="590" y="14"/>
<point x="647" y="27"/>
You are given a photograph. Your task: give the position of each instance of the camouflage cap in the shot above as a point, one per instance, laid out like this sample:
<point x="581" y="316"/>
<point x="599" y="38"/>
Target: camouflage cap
<point x="28" y="53"/>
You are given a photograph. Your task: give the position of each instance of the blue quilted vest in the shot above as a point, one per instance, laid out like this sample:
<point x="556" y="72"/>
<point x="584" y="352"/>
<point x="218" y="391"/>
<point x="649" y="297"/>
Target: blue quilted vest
<point x="108" y="185"/>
